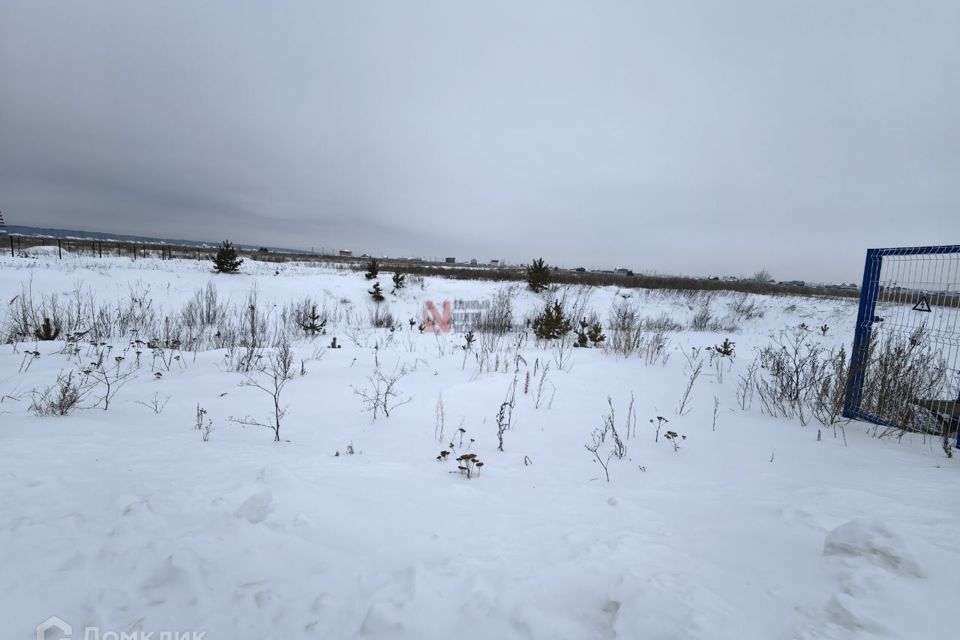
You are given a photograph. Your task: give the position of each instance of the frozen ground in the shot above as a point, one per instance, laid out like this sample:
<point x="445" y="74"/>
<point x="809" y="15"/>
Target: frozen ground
<point x="128" y="521"/>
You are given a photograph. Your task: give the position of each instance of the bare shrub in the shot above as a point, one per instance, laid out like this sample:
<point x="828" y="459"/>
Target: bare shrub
<point x="155" y="404"/>
<point x="626" y="330"/>
<point x="795" y="376"/>
<point x="381" y="318"/>
<point x="253" y="328"/>
<point x="21" y="315"/>
<point x="725" y="324"/>
<point x="271" y="378"/>
<point x="497" y="319"/>
<point x="663" y="323"/>
<point x="746" y="384"/>
<point x="107" y="377"/>
<point x="631" y="422"/>
<point x="576" y="301"/>
<point x="629" y="334"/>
<point x="382" y="395"/>
<point x="831" y="392"/>
<point x="200" y="418"/>
<point x="745" y="307"/>
<point x="562" y="351"/>
<point x="702" y="317"/>
<point x="204" y="319"/>
<point x="541" y="385"/>
<point x="61" y="398"/>
<point x="605" y="441"/>
<point x="901" y="373"/>
<point x="601" y="454"/>
<point x="505" y="414"/>
<point x="610" y="424"/>
<point x="163" y="354"/>
<point x="790" y="366"/>
<point x="682" y="406"/>
<point x="654" y="347"/>
<point x="440" y="419"/>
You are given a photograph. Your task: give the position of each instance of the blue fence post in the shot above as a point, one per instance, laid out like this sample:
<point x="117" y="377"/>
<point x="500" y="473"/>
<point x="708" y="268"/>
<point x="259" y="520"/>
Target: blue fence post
<point x="955" y="421"/>
<point x="861" y="339"/>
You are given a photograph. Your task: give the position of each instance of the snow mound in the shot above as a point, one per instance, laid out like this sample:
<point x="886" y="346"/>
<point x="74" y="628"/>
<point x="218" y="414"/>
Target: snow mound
<point x="871" y="540"/>
<point x="43" y="252"/>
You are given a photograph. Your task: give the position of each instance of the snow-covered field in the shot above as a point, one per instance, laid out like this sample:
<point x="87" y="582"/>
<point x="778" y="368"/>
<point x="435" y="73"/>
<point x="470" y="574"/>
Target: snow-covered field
<point x="132" y="520"/>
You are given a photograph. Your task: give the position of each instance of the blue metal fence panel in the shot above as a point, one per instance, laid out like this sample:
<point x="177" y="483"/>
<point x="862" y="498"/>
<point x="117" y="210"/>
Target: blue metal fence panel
<point x="905" y="360"/>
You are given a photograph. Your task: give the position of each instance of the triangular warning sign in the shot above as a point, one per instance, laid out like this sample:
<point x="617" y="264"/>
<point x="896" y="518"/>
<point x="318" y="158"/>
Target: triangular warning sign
<point x="922" y="304"/>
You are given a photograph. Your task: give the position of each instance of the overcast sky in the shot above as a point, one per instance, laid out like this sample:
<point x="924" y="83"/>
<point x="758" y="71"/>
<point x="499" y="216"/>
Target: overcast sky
<point x="683" y="137"/>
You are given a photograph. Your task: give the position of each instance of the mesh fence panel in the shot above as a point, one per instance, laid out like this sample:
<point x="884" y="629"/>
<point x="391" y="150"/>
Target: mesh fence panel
<point x="905" y="363"/>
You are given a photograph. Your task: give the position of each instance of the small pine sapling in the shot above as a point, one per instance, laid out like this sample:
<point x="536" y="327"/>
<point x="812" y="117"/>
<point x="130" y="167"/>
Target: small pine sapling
<point x="589" y="334"/>
<point x="373" y="269"/>
<point x="552" y="324"/>
<point x="538" y="275"/>
<point x="725" y="349"/>
<point x="46" y="331"/>
<point x="595" y="335"/>
<point x="226" y="259"/>
<point x="313" y="322"/>
<point x="582" y="340"/>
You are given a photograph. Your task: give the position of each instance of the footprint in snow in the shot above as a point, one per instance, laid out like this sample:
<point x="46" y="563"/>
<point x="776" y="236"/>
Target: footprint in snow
<point x="256" y="508"/>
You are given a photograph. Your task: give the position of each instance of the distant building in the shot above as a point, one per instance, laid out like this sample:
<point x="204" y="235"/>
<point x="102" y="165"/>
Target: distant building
<point x="3" y="226"/>
<point x="494" y="263"/>
<point x="345" y="253"/>
<point x="450" y="260"/>
<point x="473" y="261"/>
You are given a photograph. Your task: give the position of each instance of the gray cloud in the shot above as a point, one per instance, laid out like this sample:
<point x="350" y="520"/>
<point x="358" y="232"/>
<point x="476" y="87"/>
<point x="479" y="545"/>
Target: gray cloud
<point x="685" y="137"/>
